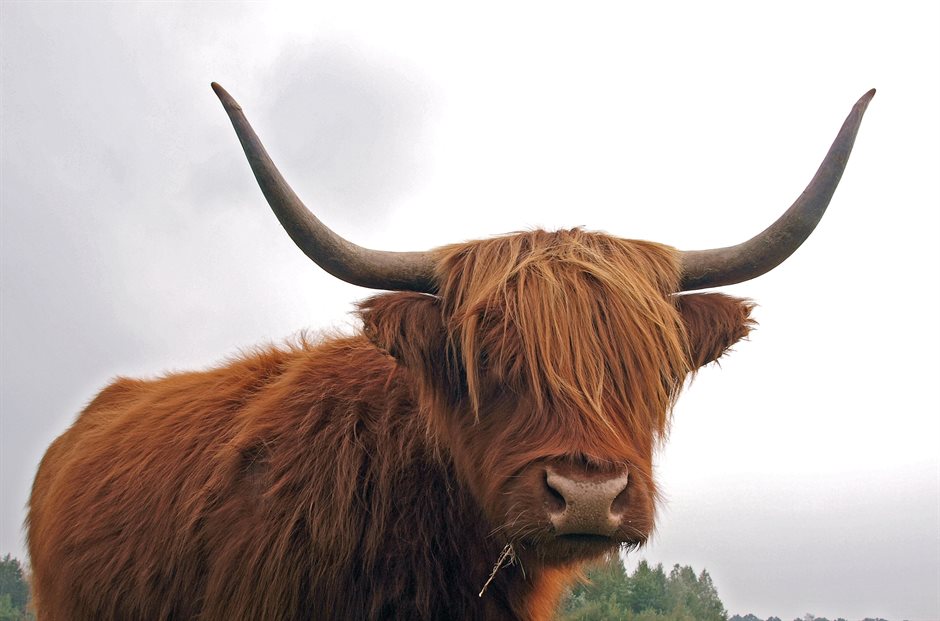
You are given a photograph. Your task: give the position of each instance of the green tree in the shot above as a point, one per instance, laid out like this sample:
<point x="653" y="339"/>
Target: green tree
<point x="601" y="597"/>
<point x="13" y="583"/>
<point x="9" y="613"/>
<point x="610" y="594"/>
<point x="648" y="589"/>
<point x="708" y="604"/>
<point x="695" y="595"/>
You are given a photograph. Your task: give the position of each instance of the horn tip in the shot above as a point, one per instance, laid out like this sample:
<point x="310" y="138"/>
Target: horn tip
<point x="863" y="101"/>
<point x="227" y="100"/>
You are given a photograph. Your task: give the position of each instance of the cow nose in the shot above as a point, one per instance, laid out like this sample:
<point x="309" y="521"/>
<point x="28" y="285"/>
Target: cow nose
<point x="585" y="505"/>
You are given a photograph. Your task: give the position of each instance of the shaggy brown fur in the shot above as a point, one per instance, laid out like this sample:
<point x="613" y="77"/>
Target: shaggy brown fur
<point x="381" y="475"/>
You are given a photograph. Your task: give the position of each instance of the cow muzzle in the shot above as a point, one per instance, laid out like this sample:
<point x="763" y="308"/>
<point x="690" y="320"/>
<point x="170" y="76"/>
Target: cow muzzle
<point x="585" y="504"/>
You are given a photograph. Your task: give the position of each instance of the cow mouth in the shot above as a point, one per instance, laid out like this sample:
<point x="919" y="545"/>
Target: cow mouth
<point x="587" y="539"/>
<point x="563" y="549"/>
<point x="571" y="547"/>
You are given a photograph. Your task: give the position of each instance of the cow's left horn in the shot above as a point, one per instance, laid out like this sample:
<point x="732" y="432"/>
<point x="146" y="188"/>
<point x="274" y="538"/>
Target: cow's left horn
<point x="767" y="250"/>
<point x="376" y="269"/>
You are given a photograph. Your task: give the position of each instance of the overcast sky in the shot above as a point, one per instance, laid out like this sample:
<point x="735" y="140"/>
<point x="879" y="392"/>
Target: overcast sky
<point x="803" y="473"/>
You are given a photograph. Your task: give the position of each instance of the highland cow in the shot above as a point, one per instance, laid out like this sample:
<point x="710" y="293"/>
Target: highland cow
<point x="489" y="429"/>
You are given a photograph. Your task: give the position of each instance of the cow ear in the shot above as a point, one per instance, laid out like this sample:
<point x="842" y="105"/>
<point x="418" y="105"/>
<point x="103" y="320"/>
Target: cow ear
<point x="408" y="326"/>
<point x="713" y="323"/>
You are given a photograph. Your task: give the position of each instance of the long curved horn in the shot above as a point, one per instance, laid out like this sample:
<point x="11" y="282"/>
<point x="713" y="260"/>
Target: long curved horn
<point x="376" y="269"/>
<point x="767" y="250"/>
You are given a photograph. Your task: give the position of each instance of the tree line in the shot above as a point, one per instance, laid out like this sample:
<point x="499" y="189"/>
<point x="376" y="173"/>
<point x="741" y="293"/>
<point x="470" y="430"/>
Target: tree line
<point x="806" y="617"/>
<point x="648" y="594"/>
<point x="14" y="590"/>
<point x="609" y="593"/>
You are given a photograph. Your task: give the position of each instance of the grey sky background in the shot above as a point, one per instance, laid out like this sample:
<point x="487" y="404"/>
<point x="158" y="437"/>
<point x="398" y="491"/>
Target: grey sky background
<point x="803" y="473"/>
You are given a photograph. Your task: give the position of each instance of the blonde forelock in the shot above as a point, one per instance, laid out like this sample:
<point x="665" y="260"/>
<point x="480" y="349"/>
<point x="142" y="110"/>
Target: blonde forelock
<point x="575" y="320"/>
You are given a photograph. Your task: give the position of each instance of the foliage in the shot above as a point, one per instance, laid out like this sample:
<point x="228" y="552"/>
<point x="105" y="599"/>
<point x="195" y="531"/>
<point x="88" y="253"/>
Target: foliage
<point x="14" y="590"/>
<point x="646" y="595"/>
<point x="608" y="593"/>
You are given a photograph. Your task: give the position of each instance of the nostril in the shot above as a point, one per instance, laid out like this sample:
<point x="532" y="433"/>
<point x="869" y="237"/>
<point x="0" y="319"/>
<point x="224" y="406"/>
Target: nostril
<point x="621" y="501"/>
<point x="554" y="500"/>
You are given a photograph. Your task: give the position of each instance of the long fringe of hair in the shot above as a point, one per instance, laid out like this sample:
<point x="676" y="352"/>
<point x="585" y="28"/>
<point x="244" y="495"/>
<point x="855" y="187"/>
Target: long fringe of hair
<point x="578" y="320"/>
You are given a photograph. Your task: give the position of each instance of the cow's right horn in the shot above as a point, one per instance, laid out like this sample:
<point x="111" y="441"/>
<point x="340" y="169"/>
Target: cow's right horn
<point x="376" y="269"/>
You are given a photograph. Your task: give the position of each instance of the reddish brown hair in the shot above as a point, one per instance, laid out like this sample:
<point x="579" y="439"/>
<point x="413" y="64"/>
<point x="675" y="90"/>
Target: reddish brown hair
<point x="380" y="475"/>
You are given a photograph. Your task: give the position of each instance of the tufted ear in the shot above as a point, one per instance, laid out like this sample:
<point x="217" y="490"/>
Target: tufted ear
<point x="713" y="323"/>
<point x="409" y="327"/>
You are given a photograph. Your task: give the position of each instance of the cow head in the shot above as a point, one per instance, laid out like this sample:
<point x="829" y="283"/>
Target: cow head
<point x="547" y="362"/>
